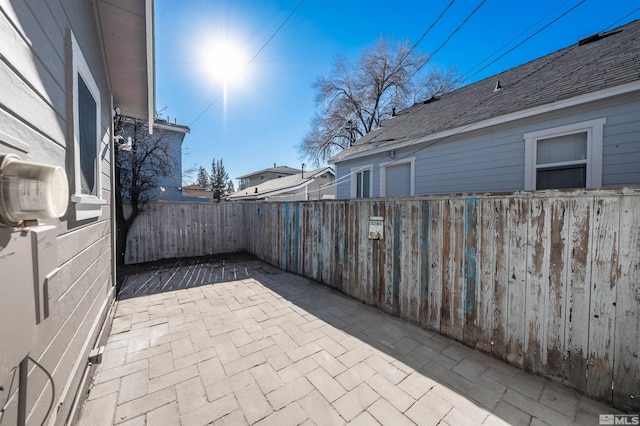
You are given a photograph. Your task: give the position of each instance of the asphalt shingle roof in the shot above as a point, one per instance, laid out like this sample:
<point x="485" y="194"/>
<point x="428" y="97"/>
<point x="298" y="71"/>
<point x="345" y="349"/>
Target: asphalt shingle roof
<point x="612" y="59"/>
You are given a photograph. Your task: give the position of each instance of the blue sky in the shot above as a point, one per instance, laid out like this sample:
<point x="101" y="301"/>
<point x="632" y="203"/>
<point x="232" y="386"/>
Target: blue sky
<point x="268" y="107"/>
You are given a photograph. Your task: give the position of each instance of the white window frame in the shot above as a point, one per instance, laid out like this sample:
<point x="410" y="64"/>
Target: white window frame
<point x="595" y="135"/>
<point x="383" y="174"/>
<point x="86" y="206"/>
<point x="354" y="180"/>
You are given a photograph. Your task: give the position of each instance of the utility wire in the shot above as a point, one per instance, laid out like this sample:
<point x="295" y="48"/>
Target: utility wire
<point x="462" y="79"/>
<point x="486" y="99"/>
<point x="430" y="27"/>
<point x="250" y="61"/>
<point x="623" y="18"/>
<point x="433" y="24"/>
<point x="451" y="35"/>
<point x="526" y="39"/>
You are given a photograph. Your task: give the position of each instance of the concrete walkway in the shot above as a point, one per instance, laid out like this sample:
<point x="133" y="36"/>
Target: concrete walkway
<point x="245" y="343"/>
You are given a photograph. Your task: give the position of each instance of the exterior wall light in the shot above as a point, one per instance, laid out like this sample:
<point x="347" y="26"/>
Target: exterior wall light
<point x="31" y="191"/>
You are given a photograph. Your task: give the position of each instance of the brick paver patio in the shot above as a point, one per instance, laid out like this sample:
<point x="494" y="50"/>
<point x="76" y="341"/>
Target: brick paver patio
<point x="241" y="342"/>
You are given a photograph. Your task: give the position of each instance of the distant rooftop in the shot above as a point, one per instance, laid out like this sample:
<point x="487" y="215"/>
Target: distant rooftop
<point x="276" y="169"/>
<point x="276" y="186"/>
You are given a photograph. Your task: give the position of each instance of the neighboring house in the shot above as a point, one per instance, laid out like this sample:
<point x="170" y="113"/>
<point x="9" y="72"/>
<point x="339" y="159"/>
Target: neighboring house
<point x="169" y="188"/>
<point x="65" y="65"/>
<point x="567" y="120"/>
<point x="196" y="193"/>
<point x="256" y="178"/>
<point x="311" y="185"/>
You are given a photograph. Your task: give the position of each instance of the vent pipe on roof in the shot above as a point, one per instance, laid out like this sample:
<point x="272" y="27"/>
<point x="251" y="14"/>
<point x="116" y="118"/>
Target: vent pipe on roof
<point x="498" y="86"/>
<point x="393" y="112"/>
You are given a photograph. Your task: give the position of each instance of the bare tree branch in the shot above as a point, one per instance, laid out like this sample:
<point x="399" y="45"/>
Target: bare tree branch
<point x="139" y="168"/>
<point x="356" y="97"/>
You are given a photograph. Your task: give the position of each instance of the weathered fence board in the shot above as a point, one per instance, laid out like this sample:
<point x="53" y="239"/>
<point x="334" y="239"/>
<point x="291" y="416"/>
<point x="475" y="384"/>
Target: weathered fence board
<point x="604" y="278"/>
<point x="556" y="311"/>
<point x="486" y="269"/>
<point x="500" y="289"/>
<point x="577" y="319"/>
<point x="627" y="321"/>
<point x="549" y="282"/>
<point x="537" y="283"/>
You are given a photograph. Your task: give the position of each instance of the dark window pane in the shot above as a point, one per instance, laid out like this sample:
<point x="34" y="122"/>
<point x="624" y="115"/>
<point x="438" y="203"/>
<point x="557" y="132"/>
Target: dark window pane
<point x="88" y="142"/>
<point x="366" y="176"/>
<point x="562" y="177"/>
<point x="358" y="185"/>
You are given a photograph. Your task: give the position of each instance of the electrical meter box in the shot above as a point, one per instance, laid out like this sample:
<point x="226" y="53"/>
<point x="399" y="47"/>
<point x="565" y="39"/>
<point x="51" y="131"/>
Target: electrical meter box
<point x="17" y="304"/>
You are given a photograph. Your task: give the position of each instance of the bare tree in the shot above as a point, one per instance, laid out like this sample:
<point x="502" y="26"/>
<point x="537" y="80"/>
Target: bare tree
<point x="188" y="173"/>
<point x="355" y="97"/>
<point x="142" y="160"/>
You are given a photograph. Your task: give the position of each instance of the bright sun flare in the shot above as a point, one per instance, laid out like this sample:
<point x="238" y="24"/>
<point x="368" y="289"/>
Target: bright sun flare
<point x="223" y="61"/>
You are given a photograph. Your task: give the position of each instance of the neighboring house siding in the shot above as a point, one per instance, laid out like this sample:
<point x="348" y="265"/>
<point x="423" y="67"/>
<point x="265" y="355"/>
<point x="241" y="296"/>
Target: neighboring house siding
<point x="169" y="188"/>
<point x="493" y="159"/>
<point x="35" y="124"/>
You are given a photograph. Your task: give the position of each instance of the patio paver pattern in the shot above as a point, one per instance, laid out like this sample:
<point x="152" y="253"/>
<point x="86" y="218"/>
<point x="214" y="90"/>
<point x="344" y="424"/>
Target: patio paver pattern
<point x="245" y="343"/>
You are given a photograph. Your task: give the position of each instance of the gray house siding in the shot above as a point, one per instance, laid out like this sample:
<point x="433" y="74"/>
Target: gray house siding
<point x="493" y="159"/>
<point x="35" y="124"/>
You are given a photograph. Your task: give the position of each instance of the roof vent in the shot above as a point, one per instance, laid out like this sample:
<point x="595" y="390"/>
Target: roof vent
<point x="590" y="39"/>
<point x="431" y="99"/>
<point x="498" y="86"/>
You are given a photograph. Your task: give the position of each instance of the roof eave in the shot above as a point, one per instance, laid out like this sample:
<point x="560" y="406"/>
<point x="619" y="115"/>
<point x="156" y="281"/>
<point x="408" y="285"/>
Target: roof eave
<point x="127" y="33"/>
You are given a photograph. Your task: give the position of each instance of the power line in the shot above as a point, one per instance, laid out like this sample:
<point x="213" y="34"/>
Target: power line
<point x="624" y="17"/>
<point x="462" y="79"/>
<point x="486" y="99"/>
<point x="526" y="39"/>
<point x="451" y="35"/>
<point x="328" y="140"/>
<point x="430" y="27"/>
<point x="250" y="61"/>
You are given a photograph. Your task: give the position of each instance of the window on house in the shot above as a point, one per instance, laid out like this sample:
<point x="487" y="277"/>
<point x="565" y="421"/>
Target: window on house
<point x="361" y="183"/>
<point x="397" y="178"/>
<point x="565" y="157"/>
<point x="87" y="133"/>
<point x="261" y="177"/>
<point x="87" y="140"/>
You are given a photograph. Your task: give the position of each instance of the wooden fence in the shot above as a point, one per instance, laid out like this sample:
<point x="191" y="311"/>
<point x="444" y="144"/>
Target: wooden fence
<point x="548" y="282"/>
<point x="171" y="230"/>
